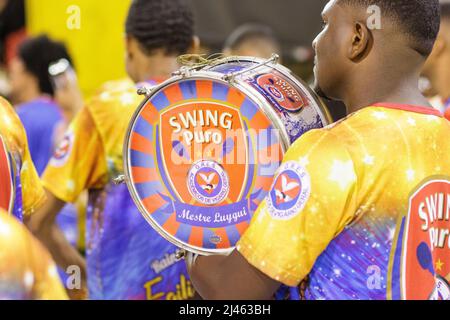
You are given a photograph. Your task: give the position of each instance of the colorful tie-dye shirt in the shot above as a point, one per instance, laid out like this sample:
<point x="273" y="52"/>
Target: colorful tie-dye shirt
<point x="360" y="209"/>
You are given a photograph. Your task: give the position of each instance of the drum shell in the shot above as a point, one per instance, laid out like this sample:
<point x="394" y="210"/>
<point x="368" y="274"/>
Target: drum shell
<point x="244" y="84"/>
<point x="294" y="121"/>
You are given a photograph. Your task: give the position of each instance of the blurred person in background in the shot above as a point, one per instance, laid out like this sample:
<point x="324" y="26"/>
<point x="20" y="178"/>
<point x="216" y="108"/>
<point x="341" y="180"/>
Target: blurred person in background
<point x="253" y="40"/>
<point x="437" y="67"/>
<point x="44" y="119"/>
<point x="21" y="190"/>
<point x="33" y="92"/>
<point x="26" y="269"/>
<point x="125" y="257"/>
<point x="12" y="33"/>
<point x="258" y="40"/>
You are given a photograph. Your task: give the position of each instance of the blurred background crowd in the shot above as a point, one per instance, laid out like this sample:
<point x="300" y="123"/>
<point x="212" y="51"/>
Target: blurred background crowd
<point x="90" y="29"/>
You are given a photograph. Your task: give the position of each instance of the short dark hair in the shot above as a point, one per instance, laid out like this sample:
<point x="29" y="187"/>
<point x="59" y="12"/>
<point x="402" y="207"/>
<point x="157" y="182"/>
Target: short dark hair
<point x="445" y="10"/>
<point x="419" y="19"/>
<point x="250" y="31"/>
<point x="38" y="54"/>
<point x="161" y="24"/>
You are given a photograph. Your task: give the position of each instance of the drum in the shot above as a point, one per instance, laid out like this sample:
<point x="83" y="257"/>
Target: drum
<point x="203" y="147"/>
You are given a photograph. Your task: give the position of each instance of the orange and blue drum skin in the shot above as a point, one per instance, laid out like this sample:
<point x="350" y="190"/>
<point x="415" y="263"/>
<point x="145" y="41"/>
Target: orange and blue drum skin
<point x="201" y="152"/>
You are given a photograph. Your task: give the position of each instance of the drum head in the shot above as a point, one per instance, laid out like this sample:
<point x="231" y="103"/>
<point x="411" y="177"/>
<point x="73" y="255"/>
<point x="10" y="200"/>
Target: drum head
<point x="6" y="179"/>
<point x="296" y="105"/>
<point x="200" y="156"/>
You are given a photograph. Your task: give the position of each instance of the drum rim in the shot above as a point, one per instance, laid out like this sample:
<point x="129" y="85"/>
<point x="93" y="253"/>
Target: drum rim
<point x="246" y="89"/>
<point x="325" y="113"/>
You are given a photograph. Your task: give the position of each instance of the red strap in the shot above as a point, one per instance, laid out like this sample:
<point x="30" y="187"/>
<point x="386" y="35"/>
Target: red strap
<point x="411" y="108"/>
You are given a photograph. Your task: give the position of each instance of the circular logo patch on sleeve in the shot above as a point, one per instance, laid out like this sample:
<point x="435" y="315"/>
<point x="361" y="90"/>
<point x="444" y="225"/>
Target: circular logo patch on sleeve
<point x="62" y="152"/>
<point x="290" y="191"/>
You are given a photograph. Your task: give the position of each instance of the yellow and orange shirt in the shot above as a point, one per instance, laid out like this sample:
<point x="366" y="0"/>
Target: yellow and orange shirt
<point x="360" y="209"/>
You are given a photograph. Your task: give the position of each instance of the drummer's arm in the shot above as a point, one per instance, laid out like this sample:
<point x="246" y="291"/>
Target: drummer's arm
<point x="43" y="225"/>
<point x="81" y="167"/>
<point x="230" y="278"/>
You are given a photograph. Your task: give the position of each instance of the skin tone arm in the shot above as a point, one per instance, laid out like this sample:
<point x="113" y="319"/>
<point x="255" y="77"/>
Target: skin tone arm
<point x="230" y="278"/>
<point x="43" y="225"/>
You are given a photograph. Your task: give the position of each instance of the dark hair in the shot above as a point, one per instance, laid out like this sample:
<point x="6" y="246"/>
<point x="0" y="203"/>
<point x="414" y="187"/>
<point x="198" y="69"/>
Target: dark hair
<point x="445" y="10"/>
<point x="12" y="19"/>
<point x="38" y="54"/>
<point x="248" y="32"/>
<point x="419" y="19"/>
<point x="161" y="24"/>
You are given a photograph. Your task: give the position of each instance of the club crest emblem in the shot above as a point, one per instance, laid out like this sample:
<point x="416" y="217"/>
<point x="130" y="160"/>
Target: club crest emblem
<point x="290" y="191"/>
<point x="194" y="138"/>
<point x="208" y="182"/>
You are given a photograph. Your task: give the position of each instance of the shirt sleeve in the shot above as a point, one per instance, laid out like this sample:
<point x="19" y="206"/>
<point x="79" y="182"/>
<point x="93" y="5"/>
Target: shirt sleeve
<point x="79" y="162"/>
<point x="33" y="194"/>
<point x="312" y="199"/>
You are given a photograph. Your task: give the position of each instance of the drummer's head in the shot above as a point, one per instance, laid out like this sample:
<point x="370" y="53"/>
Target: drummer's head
<point x="157" y="31"/>
<point x="365" y="41"/>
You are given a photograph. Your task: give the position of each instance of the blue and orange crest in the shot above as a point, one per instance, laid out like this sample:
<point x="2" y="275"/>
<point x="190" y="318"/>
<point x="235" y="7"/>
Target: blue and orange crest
<point x="203" y="141"/>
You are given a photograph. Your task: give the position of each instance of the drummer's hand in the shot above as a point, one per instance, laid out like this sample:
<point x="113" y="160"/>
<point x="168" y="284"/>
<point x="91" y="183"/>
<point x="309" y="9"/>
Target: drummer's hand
<point x="229" y="278"/>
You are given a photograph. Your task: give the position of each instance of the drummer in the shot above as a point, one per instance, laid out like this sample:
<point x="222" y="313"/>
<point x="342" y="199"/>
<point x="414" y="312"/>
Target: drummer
<point x="332" y="223"/>
<point x="252" y="40"/>
<point x="438" y="64"/>
<point x="27" y="270"/>
<point x="126" y="259"/>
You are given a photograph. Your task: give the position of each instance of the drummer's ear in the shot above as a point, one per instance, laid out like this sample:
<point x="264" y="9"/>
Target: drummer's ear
<point x="361" y="42"/>
<point x="130" y="46"/>
<point x="195" y="45"/>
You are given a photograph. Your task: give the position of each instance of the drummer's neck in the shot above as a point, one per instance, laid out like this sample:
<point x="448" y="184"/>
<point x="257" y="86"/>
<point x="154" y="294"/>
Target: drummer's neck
<point x="157" y="66"/>
<point x="384" y="86"/>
